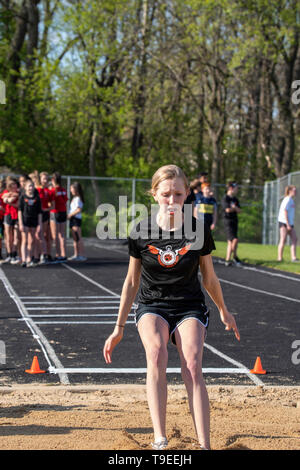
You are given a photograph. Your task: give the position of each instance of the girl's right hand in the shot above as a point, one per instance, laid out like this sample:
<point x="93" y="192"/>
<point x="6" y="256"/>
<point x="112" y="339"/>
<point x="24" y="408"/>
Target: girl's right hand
<point x="111" y="342"/>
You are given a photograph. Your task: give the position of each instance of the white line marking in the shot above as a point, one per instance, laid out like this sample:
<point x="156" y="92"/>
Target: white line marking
<point x="64" y="315"/>
<point x="284" y="276"/>
<point x="36" y="332"/>
<point x="141" y="370"/>
<point x="74" y="302"/>
<point x="234" y="362"/>
<point x="90" y="280"/>
<point x="73" y="297"/>
<point x="241" y="367"/>
<point x="260" y="291"/>
<point x="79" y="322"/>
<point x="71" y="308"/>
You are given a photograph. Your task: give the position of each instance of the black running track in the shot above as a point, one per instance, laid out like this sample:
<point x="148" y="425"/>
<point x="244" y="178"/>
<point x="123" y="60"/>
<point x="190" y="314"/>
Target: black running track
<point x="62" y="313"/>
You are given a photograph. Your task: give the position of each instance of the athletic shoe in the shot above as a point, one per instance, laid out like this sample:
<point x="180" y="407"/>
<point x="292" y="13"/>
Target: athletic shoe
<point x="228" y="263"/>
<point x="73" y="258"/>
<point x="237" y="261"/>
<point x="81" y="258"/>
<point x="23" y="265"/>
<point x="296" y="260"/>
<point x="15" y="260"/>
<point x="7" y="260"/>
<point x="160" y="444"/>
<point x="31" y="264"/>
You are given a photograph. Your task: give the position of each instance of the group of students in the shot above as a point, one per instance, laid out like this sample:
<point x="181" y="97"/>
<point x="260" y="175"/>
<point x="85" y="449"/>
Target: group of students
<point x="33" y="217"/>
<point x="205" y="205"/>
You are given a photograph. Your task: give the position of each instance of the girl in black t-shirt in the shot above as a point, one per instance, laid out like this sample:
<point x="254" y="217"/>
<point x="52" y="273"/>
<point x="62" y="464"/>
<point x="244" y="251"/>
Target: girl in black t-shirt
<point x="164" y="262"/>
<point x="30" y="218"/>
<point x="231" y="209"/>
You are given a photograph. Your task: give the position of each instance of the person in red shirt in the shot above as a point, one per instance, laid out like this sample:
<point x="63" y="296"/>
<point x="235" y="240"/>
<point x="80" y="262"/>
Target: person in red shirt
<point x="10" y="198"/>
<point x="46" y="198"/>
<point x="58" y="217"/>
<point x="2" y="210"/>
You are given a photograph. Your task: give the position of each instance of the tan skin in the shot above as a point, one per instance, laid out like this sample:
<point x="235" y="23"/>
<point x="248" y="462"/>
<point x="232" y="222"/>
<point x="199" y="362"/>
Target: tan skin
<point x="154" y="332"/>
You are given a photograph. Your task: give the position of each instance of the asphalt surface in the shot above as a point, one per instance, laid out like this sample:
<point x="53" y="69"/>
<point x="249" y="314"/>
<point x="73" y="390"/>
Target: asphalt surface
<point x="62" y="313"/>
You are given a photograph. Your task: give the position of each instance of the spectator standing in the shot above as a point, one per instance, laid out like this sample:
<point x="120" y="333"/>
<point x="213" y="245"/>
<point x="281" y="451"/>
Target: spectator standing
<point x="231" y="209"/>
<point x="286" y="219"/>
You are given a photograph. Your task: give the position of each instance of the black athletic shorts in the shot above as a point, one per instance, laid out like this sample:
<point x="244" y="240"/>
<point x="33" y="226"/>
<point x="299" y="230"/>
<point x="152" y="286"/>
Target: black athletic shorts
<point x="1" y="228"/>
<point x="30" y="222"/>
<point x="75" y="222"/>
<point x="174" y="316"/>
<point x="9" y="221"/>
<point x="231" y="228"/>
<point x="58" y="217"/>
<point x="281" y="224"/>
<point x="45" y="216"/>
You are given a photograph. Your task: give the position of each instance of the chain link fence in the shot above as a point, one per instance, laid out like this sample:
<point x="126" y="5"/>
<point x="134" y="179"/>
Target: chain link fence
<point x="273" y="196"/>
<point x="103" y="190"/>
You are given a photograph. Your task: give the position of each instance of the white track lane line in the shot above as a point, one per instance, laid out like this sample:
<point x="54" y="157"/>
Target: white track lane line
<point x="36" y="332"/>
<point x="284" y="297"/>
<point x="241" y="368"/>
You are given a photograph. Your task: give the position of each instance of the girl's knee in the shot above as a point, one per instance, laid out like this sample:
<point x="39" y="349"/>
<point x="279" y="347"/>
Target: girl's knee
<point x="157" y="355"/>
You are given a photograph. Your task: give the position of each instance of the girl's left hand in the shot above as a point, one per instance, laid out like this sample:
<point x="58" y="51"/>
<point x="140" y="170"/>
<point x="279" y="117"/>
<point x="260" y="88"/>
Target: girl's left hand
<point x="230" y="323"/>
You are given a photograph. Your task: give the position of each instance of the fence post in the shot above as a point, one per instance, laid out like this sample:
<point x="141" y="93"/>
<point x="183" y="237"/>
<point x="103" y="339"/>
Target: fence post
<point x="264" y="228"/>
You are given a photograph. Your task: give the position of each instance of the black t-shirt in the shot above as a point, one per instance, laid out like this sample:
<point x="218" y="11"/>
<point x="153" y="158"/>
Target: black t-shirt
<point x="227" y="202"/>
<point x="30" y="207"/>
<point x="170" y="266"/>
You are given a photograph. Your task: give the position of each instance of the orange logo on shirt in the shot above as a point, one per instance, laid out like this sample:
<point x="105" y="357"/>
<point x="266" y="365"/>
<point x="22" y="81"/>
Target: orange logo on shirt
<point x="168" y="258"/>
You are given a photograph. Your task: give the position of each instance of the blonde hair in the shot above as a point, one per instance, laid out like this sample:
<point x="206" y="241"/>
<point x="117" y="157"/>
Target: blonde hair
<point x="35" y="177"/>
<point x="288" y="189"/>
<point x="167" y="172"/>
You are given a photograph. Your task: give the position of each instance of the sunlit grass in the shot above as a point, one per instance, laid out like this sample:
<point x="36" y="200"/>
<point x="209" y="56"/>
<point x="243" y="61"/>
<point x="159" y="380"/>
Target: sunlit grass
<point x="262" y="255"/>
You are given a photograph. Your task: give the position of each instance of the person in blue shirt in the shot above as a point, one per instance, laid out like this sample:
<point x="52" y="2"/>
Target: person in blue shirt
<point x="206" y="205"/>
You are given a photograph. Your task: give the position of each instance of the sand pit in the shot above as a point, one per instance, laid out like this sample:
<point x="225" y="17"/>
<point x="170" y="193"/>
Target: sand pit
<point x="117" y="418"/>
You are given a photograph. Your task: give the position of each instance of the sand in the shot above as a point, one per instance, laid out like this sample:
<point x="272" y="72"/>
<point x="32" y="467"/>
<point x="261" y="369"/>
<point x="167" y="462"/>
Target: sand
<point x="55" y="417"/>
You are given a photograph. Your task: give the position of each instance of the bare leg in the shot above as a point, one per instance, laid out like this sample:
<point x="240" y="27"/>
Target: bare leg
<point x="62" y="239"/>
<point x="234" y="245"/>
<point x="229" y="250"/>
<point x="190" y="340"/>
<point x="154" y="333"/>
<point x="283" y="235"/>
<point x="53" y="228"/>
<point x="293" y="244"/>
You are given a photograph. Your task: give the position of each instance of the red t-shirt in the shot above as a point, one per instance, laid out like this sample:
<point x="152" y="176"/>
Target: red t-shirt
<point x="59" y="196"/>
<point x="9" y="209"/>
<point x="45" y="197"/>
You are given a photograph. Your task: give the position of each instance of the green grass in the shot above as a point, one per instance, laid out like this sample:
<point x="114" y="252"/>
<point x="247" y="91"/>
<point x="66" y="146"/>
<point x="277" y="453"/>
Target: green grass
<point x="262" y="255"/>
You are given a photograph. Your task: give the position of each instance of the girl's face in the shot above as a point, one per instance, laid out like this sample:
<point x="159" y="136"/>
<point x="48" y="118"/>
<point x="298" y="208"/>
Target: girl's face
<point x="13" y="188"/>
<point x="29" y="187"/>
<point x="73" y="191"/>
<point x="22" y="181"/>
<point x="206" y="191"/>
<point x="44" y="180"/>
<point x="170" y="195"/>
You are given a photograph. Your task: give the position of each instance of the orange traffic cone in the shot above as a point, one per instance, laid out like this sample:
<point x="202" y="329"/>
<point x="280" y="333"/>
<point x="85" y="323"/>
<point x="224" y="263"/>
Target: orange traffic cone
<point x="35" y="367"/>
<point x="258" y="367"/>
